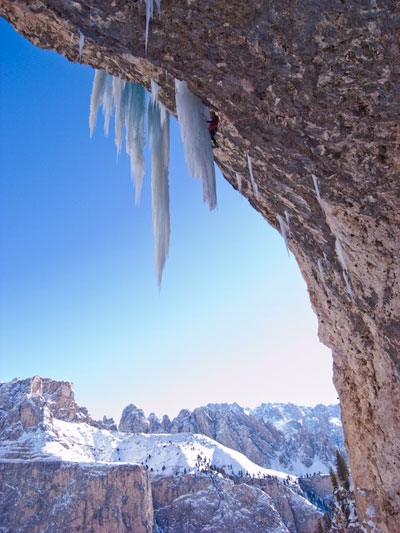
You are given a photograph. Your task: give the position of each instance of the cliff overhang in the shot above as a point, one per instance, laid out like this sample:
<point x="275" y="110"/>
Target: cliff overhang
<point x="309" y="91"/>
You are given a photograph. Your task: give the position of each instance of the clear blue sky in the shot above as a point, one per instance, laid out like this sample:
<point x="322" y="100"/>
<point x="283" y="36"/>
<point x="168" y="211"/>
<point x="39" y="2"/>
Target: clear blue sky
<point x="79" y="299"/>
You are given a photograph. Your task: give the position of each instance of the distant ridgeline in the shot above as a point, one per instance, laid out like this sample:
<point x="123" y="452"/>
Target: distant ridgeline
<point x="218" y="453"/>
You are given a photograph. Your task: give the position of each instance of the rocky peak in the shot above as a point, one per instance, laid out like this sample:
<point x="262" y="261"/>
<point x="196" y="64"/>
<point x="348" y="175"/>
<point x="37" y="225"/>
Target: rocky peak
<point x="27" y="403"/>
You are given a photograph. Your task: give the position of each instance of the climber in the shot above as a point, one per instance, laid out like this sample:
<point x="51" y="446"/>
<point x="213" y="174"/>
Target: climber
<point x="213" y="126"/>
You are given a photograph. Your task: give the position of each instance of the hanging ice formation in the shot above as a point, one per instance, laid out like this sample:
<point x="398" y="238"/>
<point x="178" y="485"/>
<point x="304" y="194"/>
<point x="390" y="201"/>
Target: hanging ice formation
<point x="283" y="232"/>
<point x="239" y="181"/>
<point x="81" y="44"/>
<point x="254" y="184"/>
<point x="128" y="101"/>
<point x="192" y="116"/>
<point x="149" y="16"/>
<point x="339" y="251"/>
<point x="158" y="121"/>
<point x="317" y="192"/>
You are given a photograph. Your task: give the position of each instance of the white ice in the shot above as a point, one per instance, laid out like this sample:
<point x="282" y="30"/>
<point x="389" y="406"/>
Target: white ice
<point x="149" y="16"/>
<point x="128" y="101"/>
<point x="158" y="121"/>
<point x="81" y="44"/>
<point x="283" y="231"/>
<point x="239" y="181"/>
<point x="254" y="184"/>
<point x="339" y="251"/>
<point x="317" y="192"/>
<point x="192" y="117"/>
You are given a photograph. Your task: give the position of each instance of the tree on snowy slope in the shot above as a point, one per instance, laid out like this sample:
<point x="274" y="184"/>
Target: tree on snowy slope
<point x="344" y="508"/>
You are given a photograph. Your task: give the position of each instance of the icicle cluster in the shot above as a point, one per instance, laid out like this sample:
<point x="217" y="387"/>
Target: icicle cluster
<point x="158" y="120"/>
<point x="192" y="117"/>
<point x="128" y="101"/>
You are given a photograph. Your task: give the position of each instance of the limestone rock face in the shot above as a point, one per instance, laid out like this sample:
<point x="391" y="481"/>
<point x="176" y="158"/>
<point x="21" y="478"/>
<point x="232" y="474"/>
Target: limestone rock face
<point x="218" y="505"/>
<point x="309" y="91"/>
<point x="52" y="496"/>
<point x="26" y="403"/>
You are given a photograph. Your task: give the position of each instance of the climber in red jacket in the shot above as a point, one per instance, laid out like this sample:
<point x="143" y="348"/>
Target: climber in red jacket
<point x="213" y="126"/>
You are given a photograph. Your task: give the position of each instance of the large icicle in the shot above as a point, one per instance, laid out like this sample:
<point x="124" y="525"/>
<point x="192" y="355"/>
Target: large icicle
<point x="158" y="121"/>
<point x="134" y="102"/>
<point x="96" y="97"/>
<point x="196" y="140"/>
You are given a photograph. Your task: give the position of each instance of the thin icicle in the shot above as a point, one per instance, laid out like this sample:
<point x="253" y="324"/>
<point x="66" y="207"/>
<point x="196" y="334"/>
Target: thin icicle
<point x="119" y="100"/>
<point x="339" y="251"/>
<point x="155" y="90"/>
<point x="159" y="139"/>
<point x="96" y="98"/>
<point x="287" y="220"/>
<point x="149" y="16"/>
<point x="108" y="102"/>
<point x="254" y="184"/>
<point x="283" y="232"/>
<point x="317" y="192"/>
<point x="196" y="140"/>
<point x="239" y="181"/>
<point x="81" y="44"/>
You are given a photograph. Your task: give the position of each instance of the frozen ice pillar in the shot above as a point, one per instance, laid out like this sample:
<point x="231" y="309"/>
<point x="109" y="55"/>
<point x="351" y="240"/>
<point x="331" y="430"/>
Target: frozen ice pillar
<point x="192" y="117"/>
<point x="158" y="121"/>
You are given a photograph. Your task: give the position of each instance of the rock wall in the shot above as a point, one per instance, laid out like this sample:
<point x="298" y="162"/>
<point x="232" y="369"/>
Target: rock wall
<point x="47" y="496"/>
<point x="310" y="92"/>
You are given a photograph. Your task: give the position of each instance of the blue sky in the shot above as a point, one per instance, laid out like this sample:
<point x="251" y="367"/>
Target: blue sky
<point x="79" y="299"/>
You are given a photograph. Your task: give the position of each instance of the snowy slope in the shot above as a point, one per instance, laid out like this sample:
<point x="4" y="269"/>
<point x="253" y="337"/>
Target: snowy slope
<point x="162" y="454"/>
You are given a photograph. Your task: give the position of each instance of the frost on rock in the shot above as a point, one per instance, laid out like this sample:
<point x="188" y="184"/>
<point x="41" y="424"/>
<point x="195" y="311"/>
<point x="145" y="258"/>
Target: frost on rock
<point x="158" y="120"/>
<point x="192" y="119"/>
<point x="149" y="16"/>
<point x="128" y="101"/>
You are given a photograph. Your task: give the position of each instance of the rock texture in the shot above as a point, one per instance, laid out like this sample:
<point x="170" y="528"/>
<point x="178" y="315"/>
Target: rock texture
<point x="49" y="496"/>
<point x="215" y="505"/>
<point x="303" y="88"/>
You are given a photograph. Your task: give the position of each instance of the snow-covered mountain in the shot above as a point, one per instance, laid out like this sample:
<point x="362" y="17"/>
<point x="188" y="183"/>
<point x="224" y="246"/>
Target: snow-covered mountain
<point x="297" y="440"/>
<point x="194" y="479"/>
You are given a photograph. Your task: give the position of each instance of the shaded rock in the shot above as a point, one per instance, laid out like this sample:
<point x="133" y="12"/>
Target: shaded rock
<point x="52" y="496"/>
